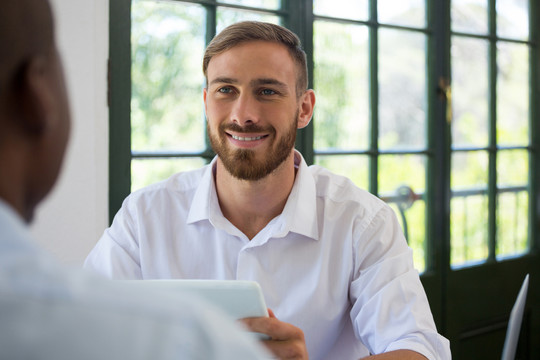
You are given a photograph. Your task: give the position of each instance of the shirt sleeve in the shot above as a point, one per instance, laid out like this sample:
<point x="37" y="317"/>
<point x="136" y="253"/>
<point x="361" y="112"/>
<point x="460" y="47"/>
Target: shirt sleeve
<point x="116" y="255"/>
<point x="390" y="310"/>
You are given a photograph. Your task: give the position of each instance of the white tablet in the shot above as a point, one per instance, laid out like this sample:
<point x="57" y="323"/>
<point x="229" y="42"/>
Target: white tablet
<point x="238" y="298"/>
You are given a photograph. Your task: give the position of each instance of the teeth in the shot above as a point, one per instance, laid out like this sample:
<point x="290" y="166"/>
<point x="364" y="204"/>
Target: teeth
<point x="246" y="138"/>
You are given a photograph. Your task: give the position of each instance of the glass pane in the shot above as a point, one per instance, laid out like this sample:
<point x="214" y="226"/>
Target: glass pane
<point x="469" y="170"/>
<point x="414" y="218"/>
<point x="402" y="89"/>
<point x="469" y="208"/>
<point x="468" y="229"/>
<point x="512" y="168"/>
<point x="226" y="17"/>
<point x="470" y="16"/>
<point x="512" y="223"/>
<point x="512" y="202"/>
<point x="148" y="171"/>
<point x="469" y="91"/>
<point x="402" y="12"/>
<point x="346" y="9"/>
<point x="167" y="80"/>
<point x="398" y="170"/>
<point x="402" y="183"/>
<point x="355" y="167"/>
<point x="267" y="4"/>
<point x="512" y="94"/>
<point x="513" y="19"/>
<point x="341" y="82"/>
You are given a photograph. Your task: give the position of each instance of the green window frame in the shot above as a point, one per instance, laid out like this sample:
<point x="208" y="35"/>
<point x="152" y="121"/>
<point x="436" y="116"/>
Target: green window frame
<point x="438" y="151"/>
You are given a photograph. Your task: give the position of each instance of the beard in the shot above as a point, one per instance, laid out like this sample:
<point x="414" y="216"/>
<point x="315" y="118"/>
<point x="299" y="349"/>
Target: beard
<point x="242" y="163"/>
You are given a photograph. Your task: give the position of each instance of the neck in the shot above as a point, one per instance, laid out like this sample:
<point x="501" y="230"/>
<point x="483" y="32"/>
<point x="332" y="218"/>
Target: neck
<point x="251" y="205"/>
<point x="12" y="184"/>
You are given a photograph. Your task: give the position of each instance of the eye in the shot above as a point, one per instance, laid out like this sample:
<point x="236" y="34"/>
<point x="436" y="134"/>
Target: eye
<point x="225" y="90"/>
<point x="268" y="92"/>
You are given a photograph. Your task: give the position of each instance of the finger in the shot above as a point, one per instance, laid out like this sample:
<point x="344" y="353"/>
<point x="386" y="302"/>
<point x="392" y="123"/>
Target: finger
<point x="287" y="349"/>
<point x="277" y="330"/>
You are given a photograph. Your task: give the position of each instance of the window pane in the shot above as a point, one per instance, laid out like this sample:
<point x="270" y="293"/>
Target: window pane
<point x="512" y="202"/>
<point x="512" y="94"/>
<point x="512" y="223"/>
<point x="166" y="104"/>
<point x="398" y="170"/>
<point x="226" y="17"/>
<point x="512" y="168"/>
<point x="468" y="229"/>
<point x="341" y="82"/>
<point x="402" y="183"/>
<point x="469" y="91"/>
<point x="414" y="230"/>
<point x="402" y="94"/>
<point x="346" y="9"/>
<point x="513" y="19"/>
<point x="470" y="16"/>
<point x="148" y="171"/>
<point x="402" y="12"/>
<point x="469" y="170"/>
<point x="267" y="4"/>
<point x="355" y="167"/>
<point x="469" y="208"/>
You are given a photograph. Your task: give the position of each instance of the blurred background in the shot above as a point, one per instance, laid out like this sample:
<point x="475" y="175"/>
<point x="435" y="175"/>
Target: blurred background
<point x="430" y="105"/>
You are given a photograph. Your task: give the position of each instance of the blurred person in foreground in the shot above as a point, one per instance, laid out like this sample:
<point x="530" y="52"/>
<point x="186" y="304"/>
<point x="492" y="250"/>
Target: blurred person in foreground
<point x="48" y="311"/>
<point x="331" y="259"/>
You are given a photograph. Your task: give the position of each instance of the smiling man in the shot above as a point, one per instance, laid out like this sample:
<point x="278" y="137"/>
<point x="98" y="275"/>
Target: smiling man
<point x="331" y="259"/>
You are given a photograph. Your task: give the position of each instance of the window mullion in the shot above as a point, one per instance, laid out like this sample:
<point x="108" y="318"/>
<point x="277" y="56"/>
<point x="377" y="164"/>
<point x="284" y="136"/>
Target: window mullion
<point x="299" y="19"/>
<point x="119" y="98"/>
<point x="492" y="115"/>
<point x="534" y="115"/>
<point x="374" y="99"/>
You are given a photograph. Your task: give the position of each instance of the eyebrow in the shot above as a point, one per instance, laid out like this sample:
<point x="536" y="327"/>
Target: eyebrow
<point x="268" y="81"/>
<point x="253" y="83"/>
<point x="222" y="80"/>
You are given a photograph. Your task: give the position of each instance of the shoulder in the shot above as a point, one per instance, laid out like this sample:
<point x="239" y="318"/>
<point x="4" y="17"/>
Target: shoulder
<point x="62" y="299"/>
<point x="338" y="189"/>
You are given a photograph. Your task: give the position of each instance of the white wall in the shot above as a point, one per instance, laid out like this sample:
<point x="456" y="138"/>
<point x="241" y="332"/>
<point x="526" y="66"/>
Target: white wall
<point x="74" y="215"/>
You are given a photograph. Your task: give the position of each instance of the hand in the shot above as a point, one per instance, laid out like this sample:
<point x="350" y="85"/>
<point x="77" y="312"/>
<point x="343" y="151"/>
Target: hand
<point x="286" y="340"/>
<point x="398" y="355"/>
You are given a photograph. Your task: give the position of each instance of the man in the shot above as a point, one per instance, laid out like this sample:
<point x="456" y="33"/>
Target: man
<point x="46" y="310"/>
<point x="323" y="251"/>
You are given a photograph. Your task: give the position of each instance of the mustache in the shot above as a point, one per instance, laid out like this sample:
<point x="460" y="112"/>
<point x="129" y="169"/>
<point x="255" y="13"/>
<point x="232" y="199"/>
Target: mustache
<point x="250" y="128"/>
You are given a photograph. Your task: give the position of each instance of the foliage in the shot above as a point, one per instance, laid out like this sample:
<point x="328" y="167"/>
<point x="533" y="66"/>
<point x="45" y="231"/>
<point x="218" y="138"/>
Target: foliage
<point x="168" y="40"/>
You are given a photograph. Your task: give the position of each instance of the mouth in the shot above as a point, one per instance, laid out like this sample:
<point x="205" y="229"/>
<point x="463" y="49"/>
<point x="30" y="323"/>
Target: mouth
<point x="247" y="138"/>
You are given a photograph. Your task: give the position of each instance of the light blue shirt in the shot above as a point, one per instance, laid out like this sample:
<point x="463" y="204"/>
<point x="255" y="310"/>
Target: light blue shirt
<point x="335" y="263"/>
<point x="48" y="311"/>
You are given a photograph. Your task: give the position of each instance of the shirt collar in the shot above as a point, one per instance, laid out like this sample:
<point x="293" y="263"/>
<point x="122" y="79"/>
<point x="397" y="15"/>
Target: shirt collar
<point x="205" y="199"/>
<point x="299" y="214"/>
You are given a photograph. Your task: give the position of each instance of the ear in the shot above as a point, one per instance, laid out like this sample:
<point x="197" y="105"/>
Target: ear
<point x="306" y="105"/>
<point x="205" y="93"/>
<point x="36" y="96"/>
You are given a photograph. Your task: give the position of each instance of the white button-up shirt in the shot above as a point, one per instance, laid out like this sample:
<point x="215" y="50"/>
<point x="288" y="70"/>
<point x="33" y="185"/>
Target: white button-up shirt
<point x="50" y="312"/>
<point x="334" y="263"/>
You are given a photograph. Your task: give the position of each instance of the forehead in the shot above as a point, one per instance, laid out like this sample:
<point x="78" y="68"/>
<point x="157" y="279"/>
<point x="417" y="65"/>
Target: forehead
<point x="256" y="59"/>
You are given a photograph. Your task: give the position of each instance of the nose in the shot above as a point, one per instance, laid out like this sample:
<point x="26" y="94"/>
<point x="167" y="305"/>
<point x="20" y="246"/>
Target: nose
<point x="245" y="110"/>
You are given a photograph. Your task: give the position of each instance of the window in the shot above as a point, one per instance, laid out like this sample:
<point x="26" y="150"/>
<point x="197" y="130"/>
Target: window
<point x="429" y="105"/>
<point x="491" y="149"/>
<point x="371" y="65"/>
